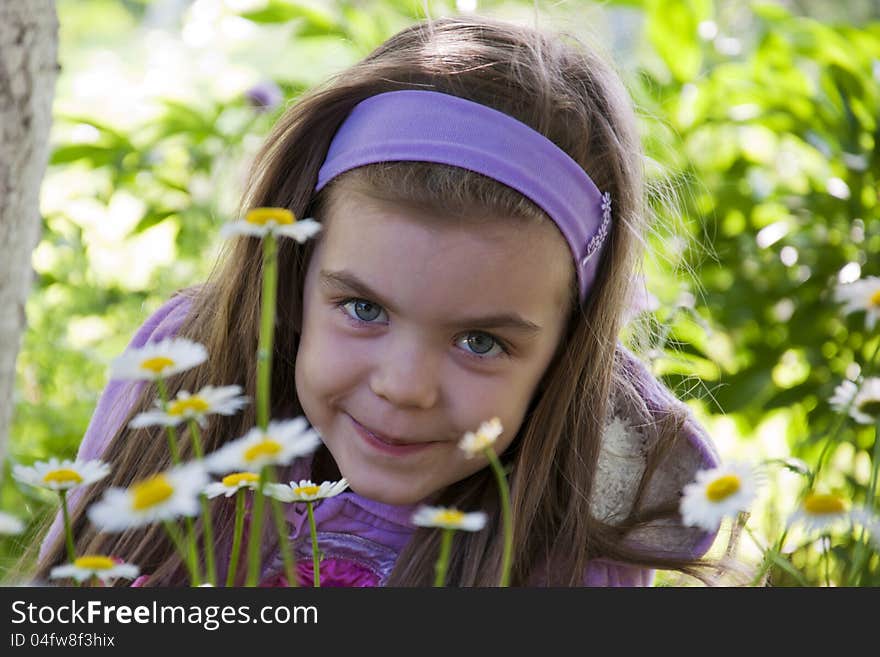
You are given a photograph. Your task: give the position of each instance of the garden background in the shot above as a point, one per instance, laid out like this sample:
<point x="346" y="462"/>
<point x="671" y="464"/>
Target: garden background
<point x="760" y="126"/>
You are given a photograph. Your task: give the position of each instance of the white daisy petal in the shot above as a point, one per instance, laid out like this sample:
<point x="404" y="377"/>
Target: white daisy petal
<point x="165" y="496"/>
<point x="473" y="443"/>
<point x="88" y="566"/>
<point x="158" y="360"/>
<point x="719" y="493"/>
<point x="61" y="475"/>
<point x="861" y="295"/>
<point x="153" y="418"/>
<point x="236" y="228"/>
<point x="844" y="393"/>
<point x="282" y="442"/>
<point x="9" y="524"/>
<point x="225" y="400"/>
<point x="449" y="518"/>
<point x="866" y="404"/>
<point x="301" y="231"/>
<point x="306" y="491"/>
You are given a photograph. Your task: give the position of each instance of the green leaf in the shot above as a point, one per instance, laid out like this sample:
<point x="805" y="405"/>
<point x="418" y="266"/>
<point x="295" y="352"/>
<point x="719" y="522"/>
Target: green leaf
<point x="672" y="30"/>
<point x="316" y="20"/>
<point x="743" y="389"/>
<point x="785" y="565"/>
<point x="151" y="219"/>
<point x="97" y="156"/>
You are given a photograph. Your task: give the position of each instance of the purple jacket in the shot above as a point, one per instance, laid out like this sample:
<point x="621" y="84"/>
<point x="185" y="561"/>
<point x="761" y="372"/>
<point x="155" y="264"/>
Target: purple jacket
<point x="361" y="538"/>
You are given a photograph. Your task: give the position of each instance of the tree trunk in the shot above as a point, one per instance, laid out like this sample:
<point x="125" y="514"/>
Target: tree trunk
<point x="28" y="68"/>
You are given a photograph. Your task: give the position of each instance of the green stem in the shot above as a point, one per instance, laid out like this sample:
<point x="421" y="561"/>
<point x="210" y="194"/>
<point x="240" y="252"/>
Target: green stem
<point x="193" y="549"/>
<point x="208" y="529"/>
<point x="236" y="536"/>
<point x="172" y="432"/>
<point x="180" y="545"/>
<point x="443" y="559"/>
<point x="284" y="543"/>
<point x="768" y="558"/>
<point x="267" y="333"/>
<point x="68" y="530"/>
<point x="196" y="439"/>
<point x="506" y="514"/>
<point x="255" y="530"/>
<point x="863" y="546"/>
<point x="316" y="554"/>
<point x="208" y="525"/>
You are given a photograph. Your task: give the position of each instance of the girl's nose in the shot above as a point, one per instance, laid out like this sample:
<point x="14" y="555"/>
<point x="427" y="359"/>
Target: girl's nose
<point x="406" y="375"/>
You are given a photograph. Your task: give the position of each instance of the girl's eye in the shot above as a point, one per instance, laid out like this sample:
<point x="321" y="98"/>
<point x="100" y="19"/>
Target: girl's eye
<point x="364" y="310"/>
<point x="478" y="345"/>
<point x="482" y="344"/>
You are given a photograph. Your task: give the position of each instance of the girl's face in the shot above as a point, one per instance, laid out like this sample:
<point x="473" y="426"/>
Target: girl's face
<point x="416" y="331"/>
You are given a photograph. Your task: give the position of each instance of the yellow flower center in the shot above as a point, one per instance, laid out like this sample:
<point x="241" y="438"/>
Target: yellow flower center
<point x="306" y="490"/>
<point x="195" y="404"/>
<point x="262" y="216"/>
<point x="875" y="299"/>
<point x="62" y="476"/>
<point x="94" y="562"/>
<point x="240" y="478"/>
<point x="151" y="492"/>
<point x="450" y="517"/>
<point x="266" y="447"/>
<point x="818" y="504"/>
<point x="723" y="487"/>
<point x="157" y="364"/>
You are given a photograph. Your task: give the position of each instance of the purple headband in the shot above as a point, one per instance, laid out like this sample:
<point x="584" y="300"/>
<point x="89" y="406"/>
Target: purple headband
<point x="428" y="126"/>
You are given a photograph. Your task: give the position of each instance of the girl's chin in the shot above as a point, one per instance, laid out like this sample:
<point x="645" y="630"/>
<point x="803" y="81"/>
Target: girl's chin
<point x="384" y="494"/>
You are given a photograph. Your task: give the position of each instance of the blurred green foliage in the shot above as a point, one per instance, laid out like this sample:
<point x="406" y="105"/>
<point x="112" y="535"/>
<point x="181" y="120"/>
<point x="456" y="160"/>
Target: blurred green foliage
<point x="762" y="123"/>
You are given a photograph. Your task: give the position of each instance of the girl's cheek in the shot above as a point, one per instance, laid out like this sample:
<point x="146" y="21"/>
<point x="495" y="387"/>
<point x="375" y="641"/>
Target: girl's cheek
<point x="335" y="358"/>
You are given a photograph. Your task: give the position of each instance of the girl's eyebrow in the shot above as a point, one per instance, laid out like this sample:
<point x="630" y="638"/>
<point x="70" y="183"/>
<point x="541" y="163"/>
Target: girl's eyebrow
<point x="345" y="280"/>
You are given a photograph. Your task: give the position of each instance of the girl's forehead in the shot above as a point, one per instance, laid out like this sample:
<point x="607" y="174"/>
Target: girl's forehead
<point x="415" y="255"/>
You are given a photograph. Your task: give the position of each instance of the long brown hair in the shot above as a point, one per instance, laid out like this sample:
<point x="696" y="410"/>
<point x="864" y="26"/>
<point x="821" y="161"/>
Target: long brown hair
<point x="562" y="89"/>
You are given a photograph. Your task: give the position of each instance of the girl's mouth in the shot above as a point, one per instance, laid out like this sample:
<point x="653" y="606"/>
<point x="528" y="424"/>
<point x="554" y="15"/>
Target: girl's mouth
<point x="389" y="445"/>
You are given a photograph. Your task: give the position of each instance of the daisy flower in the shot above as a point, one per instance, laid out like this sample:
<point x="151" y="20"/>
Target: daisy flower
<point x="95" y="565"/>
<point x="865" y="399"/>
<point x="719" y="493"/>
<point x="279" y="444"/>
<point x="158" y="360"/>
<point x="306" y="491"/>
<point x="162" y="497"/>
<point x="9" y="524"/>
<point x="260" y="222"/>
<point x="863" y="295"/>
<point x="61" y="475"/>
<point x="823" y="512"/>
<point x="231" y="484"/>
<point x="474" y="443"/>
<point x="225" y="400"/>
<point x="448" y="518"/>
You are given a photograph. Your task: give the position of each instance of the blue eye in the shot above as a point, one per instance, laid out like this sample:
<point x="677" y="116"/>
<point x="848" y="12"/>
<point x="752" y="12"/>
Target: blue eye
<point x="479" y="345"/>
<point x="366" y="311"/>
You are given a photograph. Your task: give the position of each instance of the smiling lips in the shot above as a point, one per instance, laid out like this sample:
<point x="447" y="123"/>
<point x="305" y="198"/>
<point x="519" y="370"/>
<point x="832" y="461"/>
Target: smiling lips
<point x="387" y="444"/>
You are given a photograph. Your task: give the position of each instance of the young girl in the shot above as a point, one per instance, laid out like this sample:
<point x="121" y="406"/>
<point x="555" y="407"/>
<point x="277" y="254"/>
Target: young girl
<point x="480" y="191"/>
